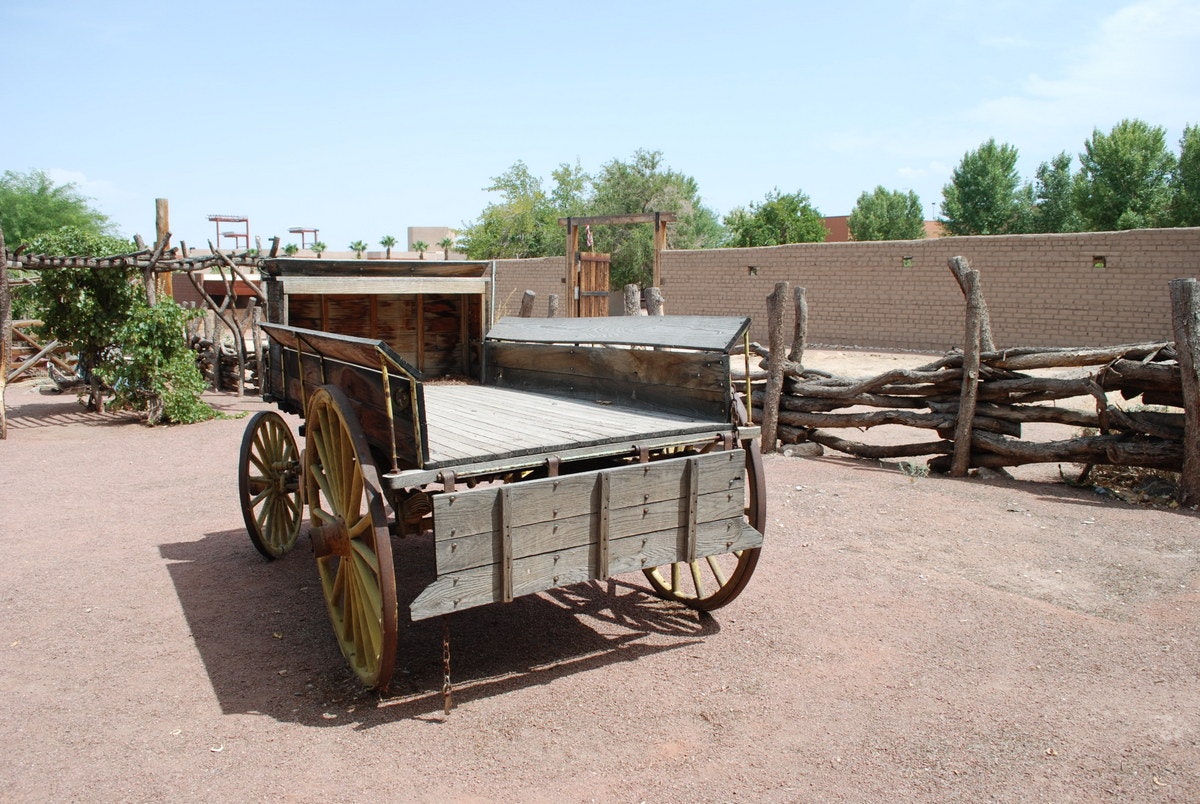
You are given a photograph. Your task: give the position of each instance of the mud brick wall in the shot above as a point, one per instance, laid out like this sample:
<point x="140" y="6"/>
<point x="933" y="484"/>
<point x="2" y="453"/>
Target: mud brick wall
<point x="1043" y="290"/>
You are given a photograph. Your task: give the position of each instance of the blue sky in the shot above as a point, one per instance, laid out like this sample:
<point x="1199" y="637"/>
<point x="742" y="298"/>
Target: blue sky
<point x="364" y="118"/>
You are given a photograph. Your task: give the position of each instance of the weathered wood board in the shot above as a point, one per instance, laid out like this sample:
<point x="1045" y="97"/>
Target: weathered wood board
<point x="495" y="543"/>
<point x="692" y="383"/>
<point x="700" y="332"/>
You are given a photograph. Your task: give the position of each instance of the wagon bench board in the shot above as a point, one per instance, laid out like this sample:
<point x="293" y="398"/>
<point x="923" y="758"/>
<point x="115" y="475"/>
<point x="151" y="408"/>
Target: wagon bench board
<point x="499" y="542"/>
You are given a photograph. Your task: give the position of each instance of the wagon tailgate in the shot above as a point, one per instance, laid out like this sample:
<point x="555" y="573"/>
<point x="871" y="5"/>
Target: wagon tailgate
<point x="500" y="542"/>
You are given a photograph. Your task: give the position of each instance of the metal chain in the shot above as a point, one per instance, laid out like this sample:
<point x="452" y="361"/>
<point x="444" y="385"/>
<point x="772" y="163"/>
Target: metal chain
<point x="447" y="690"/>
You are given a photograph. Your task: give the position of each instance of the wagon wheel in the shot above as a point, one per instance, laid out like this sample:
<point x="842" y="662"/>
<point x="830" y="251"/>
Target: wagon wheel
<point x="713" y="581"/>
<point x="269" y="484"/>
<point x="350" y="537"/>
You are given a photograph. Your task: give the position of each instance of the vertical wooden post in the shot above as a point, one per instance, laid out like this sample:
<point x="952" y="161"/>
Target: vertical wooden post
<point x="770" y="419"/>
<point x="633" y="300"/>
<point x="5" y="335"/>
<point x="660" y="243"/>
<point x="573" y="300"/>
<point x="552" y="306"/>
<point x="162" y="228"/>
<point x="800" y="331"/>
<point x="527" y="304"/>
<point x="654" y="301"/>
<point x="964" y="426"/>
<point x="1185" y="319"/>
<point x="960" y="268"/>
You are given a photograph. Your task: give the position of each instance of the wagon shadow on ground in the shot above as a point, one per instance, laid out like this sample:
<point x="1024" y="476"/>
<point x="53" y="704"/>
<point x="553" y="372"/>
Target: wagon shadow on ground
<point x="265" y="641"/>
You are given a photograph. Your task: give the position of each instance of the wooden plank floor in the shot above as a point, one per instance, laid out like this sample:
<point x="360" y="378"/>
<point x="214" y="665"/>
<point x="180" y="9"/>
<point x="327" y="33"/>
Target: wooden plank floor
<point x="478" y="422"/>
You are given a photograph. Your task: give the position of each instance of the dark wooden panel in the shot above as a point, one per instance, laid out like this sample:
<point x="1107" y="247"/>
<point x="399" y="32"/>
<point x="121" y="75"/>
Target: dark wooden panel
<point x="691" y="383"/>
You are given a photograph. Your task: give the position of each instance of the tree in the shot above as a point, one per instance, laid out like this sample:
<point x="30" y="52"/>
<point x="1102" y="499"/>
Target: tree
<point x="643" y="185"/>
<point x="32" y="205"/>
<point x="135" y="349"/>
<point x="446" y="243"/>
<point x="780" y="218"/>
<point x="1124" y="181"/>
<point x="290" y="249"/>
<point x="358" y="247"/>
<point x="1185" y="183"/>
<point x="1054" y="199"/>
<point x="887" y="215"/>
<point x="387" y="241"/>
<point x="523" y="223"/>
<point x="420" y="247"/>
<point x="985" y="195"/>
<point x="318" y="248"/>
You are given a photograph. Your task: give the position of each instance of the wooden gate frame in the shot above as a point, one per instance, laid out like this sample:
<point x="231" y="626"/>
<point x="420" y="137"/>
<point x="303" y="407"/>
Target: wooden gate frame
<point x="659" y="219"/>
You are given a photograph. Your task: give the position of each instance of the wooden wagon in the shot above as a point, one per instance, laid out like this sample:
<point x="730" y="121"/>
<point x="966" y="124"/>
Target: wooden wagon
<point x="581" y="448"/>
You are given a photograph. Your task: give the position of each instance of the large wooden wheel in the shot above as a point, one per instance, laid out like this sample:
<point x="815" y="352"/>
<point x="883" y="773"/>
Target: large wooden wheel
<point x="269" y="484"/>
<point x="350" y="536"/>
<point x="711" y="582"/>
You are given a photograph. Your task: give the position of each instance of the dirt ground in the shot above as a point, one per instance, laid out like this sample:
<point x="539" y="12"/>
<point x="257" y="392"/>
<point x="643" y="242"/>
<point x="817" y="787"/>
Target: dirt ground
<point x="903" y="638"/>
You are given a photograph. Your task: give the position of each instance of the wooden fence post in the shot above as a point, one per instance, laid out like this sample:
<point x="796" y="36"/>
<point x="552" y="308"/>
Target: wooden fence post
<point x="5" y="335"/>
<point x="960" y="268"/>
<point x="552" y="306"/>
<point x="964" y="425"/>
<point x="800" y="331"/>
<point x="633" y="300"/>
<point x="527" y="304"/>
<point x="1185" y="319"/>
<point x="770" y="420"/>
<point x="654" y="301"/>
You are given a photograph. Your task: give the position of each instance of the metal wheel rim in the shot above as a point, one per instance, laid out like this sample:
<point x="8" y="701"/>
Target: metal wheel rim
<point x="342" y="486"/>
<point x="269" y="484"/>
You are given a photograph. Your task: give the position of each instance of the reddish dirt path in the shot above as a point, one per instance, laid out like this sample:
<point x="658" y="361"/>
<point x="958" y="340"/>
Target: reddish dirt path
<point x="903" y="638"/>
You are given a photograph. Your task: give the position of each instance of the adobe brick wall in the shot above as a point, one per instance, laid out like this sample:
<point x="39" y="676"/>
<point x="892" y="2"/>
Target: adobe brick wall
<point x="543" y="275"/>
<point x="1042" y="290"/>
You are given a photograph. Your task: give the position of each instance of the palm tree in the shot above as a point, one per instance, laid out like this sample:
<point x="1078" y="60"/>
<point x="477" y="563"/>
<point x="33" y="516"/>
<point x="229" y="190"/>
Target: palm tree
<point x="290" y="249"/>
<point x="319" y="248"/>
<point x="446" y="243"/>
<point x="387" y="241"/>
<point x="358" y="247"/>
<point x="420" y="247"/>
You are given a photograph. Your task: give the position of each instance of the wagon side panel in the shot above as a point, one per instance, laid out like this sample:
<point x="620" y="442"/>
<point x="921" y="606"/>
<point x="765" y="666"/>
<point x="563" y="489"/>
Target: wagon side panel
<point x="497" y="543"/>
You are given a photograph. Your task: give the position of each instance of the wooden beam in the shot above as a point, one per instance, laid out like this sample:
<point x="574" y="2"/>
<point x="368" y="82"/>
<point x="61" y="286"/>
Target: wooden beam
<point x="619" y="220"/>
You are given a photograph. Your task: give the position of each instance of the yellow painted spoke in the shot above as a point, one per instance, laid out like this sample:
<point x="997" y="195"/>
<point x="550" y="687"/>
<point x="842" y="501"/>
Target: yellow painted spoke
<point x="715" y="566"/>
<point x="695" y="565"/>
<point x="366" y="553"/>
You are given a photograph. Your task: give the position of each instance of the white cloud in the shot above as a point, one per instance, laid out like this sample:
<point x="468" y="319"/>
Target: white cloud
<point x="1141" y="62"/>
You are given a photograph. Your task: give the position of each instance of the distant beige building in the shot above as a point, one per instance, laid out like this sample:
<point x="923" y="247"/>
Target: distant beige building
<point x="431" y="235"/>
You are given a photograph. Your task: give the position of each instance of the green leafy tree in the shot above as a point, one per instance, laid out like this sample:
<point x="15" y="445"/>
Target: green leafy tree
<point x="1185" y="183"/>
<point x="290" y="249"/>
<point x="1124" y="181"/>
<point x="446" y="243"/>
<point x="780" y="218"/>
<point x="1054" y="197"/>
<point x="358" y="247"/>
<point x="32" y="205"/>
<point x="985" y="195"/>
<point x="122" y="342"/>
<point x="420" y="247"/>
<point x="387" y="241"/>
<point x="523" y="223"/>
<point x="641" y="185"/>
<point x="318" y="248"/>
<point x="887" y="215"/>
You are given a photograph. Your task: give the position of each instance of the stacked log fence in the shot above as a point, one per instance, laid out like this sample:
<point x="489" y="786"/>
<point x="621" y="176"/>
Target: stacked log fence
<point x="1142" y="409"/>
